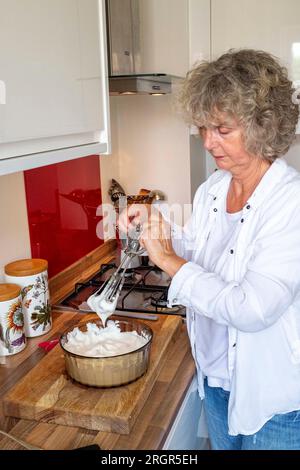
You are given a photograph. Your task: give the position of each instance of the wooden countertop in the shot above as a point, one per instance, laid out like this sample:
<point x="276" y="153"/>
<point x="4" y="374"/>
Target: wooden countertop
<point x="151" y="427"/>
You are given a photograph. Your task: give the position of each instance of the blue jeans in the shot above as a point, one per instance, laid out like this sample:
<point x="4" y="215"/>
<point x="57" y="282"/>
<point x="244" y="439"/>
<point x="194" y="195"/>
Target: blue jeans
<point x="282" y="432"/>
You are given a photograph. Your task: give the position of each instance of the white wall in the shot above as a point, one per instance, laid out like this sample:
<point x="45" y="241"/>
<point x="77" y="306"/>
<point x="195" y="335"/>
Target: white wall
<point x="293" y="155"/>
<point x="14" y="231"/>
<point x="151" y="144"/>
<point x="153" y="147"/>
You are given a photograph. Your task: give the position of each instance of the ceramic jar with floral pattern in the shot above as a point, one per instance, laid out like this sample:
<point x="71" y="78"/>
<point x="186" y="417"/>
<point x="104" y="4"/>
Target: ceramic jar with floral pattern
<point x="32" y="276"/>
<point x="12" y="335"/>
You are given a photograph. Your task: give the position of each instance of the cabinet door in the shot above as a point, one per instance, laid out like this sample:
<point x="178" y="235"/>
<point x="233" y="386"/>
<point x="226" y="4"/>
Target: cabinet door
<point x="53" y="67"/>
<point x="186" y="433"/>
<point x="270" y="25"/>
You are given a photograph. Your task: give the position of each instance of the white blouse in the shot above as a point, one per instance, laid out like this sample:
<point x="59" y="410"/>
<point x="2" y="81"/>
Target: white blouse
<point x="212" y="343"/>
<point x="253" y="290"/>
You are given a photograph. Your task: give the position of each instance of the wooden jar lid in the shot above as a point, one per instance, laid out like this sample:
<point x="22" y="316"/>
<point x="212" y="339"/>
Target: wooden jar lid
<point x="9" y="291"/>
<point x="26" y="267"/>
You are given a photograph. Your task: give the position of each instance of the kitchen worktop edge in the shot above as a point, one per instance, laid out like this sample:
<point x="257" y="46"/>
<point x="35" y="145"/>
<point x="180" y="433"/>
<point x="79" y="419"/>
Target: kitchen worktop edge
<point x="152" y="424"/>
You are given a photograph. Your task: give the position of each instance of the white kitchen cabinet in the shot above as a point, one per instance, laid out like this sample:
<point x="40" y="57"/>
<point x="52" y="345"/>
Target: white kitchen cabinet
<point x="270" y="25"/>
<point x="53" y="72"/>
<point x="189" y="430"/>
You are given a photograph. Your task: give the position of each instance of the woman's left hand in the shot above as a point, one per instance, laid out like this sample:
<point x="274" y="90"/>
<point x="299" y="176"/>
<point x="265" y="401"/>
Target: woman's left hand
<point x="156" y="239"/>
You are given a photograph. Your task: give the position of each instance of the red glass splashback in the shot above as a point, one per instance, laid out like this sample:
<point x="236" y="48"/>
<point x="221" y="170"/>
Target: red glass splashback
<point x="62" y="200"/>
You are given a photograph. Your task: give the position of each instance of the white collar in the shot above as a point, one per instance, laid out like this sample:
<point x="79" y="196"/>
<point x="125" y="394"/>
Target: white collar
<point x="272" y="176"/>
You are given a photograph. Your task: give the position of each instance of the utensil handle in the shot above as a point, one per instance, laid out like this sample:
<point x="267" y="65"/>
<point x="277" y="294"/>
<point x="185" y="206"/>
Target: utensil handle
<point x="142" y="316"/>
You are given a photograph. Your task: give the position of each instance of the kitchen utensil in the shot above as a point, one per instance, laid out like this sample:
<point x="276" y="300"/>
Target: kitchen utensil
<point x="115" y="191"/>
<point x="144" y="192"/>
<point x="139" y="315"/>
<point x="110" y="371"/>
<point x="104" y="300"/>
<point x="48" y="345"/>
<point x="139" y="199"/>
<point x="157" y="195"/>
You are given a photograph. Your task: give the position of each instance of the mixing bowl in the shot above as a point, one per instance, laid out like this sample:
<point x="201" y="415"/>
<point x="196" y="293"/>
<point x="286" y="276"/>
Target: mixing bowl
<point x="109" y="371"/>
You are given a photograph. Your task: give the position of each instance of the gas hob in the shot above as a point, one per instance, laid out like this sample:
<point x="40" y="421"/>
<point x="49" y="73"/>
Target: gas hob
<point x="145" y="291"/>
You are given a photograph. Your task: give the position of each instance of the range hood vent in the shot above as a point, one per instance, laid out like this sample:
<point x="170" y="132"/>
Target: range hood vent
<point x="149" y="84"/>
<point x="124" y="53"/>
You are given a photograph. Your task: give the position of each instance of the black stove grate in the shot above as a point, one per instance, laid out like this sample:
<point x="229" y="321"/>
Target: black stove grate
<point x="140" y="292"/>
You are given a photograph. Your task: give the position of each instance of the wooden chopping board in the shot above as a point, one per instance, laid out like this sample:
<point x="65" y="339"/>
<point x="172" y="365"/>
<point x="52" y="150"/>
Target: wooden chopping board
<point x="47" y="394"/>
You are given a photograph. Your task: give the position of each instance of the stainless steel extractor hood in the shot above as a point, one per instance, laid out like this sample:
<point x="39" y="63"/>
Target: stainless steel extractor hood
<point x="125" y="56"/>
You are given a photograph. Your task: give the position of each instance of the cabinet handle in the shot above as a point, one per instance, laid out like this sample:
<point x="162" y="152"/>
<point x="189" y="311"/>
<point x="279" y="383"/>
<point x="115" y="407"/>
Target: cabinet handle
<point x="2" y="92"/>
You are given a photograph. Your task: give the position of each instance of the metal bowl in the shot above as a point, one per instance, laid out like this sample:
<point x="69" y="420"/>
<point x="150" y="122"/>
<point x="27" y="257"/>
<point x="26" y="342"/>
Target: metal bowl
<point x="109" y="371"/>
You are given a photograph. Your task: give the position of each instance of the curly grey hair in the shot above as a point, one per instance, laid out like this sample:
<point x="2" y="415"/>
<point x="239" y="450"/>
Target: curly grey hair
<point x="247" y="85"/>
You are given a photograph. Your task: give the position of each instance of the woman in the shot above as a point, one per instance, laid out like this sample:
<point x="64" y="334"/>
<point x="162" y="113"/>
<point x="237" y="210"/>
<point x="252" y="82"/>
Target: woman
<point x="236" y="266"/>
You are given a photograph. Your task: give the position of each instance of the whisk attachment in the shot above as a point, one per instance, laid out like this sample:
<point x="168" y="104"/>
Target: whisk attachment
<point x="105" y="299"/>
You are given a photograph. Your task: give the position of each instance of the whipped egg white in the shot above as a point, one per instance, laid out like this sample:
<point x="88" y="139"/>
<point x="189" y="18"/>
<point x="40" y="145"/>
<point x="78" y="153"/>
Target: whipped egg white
<point x="103" y="342"/>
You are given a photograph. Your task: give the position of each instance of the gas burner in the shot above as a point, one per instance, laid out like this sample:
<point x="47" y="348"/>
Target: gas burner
<point x="161" y="306"/>
<point x="174" y="309"/>
<point x="160" y="303"/>
<point x="129" y="273"/>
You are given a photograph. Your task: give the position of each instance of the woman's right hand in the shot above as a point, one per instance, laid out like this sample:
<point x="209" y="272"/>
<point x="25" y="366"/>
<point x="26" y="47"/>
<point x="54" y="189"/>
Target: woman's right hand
<point x="133" y="215"/>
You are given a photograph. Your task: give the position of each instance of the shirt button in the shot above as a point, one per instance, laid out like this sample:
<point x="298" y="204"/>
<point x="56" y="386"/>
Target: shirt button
<point x="248" y="206"/>
<point x="215" y="198"/>
<point x="234" y="345"/>
<point x="231" y="252"/>
<point x="215" y="209"/>
<point x="175" y="301"/>
<point x="242" y="221"/>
